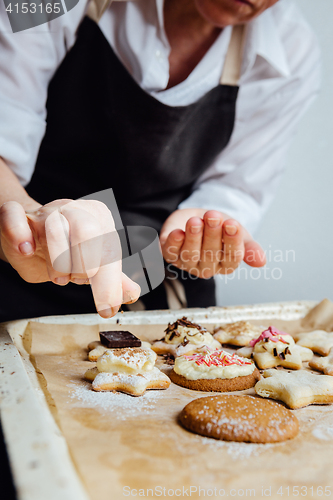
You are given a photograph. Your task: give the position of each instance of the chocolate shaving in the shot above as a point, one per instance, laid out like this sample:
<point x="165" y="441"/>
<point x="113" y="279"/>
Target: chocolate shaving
<point x="169" y="359"/>
<point x="275" y="351"/>
<point x="183" y="322"/>
<point x="264" y="348"/>
<point x="174" y="333"/>
<point x="282" y="355"/>
<point x="185" y="341"/>
<point x="266" y="339"/>
<point x="287" y="350"/>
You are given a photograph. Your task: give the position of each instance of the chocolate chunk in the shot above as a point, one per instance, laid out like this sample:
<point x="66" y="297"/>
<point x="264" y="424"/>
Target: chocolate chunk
<point x="117" y="339"/>
<point x="275" y="351"/>
<point x="185" y="341"/>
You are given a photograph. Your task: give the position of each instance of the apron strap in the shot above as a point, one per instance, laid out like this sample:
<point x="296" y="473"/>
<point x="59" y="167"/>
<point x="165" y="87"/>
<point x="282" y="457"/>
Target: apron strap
<point x="233" y="61"/>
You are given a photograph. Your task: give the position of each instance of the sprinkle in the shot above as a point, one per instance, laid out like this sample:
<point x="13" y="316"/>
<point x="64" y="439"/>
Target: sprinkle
<point x="217" y="358"/>
<point x="272" y="334"/>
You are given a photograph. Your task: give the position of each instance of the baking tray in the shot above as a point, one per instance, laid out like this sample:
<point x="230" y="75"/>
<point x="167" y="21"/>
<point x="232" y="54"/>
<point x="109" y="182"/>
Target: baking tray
<point x="41" y="463"/>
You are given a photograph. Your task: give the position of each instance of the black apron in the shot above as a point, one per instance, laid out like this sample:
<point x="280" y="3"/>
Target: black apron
<point x="103" y="130"/>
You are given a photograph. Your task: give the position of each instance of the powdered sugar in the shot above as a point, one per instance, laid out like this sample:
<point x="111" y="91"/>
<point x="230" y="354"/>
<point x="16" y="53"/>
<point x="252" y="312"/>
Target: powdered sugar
<point x="236" y="450"/>
<point x="85" y="397"/>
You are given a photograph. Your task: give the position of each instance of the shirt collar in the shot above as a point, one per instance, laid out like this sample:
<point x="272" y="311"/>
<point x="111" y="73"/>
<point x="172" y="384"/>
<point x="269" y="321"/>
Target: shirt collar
<point x="263" y="39"/>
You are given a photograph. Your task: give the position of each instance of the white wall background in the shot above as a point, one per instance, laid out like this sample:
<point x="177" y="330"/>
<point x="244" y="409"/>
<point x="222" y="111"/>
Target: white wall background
<point x="301" y="217"/>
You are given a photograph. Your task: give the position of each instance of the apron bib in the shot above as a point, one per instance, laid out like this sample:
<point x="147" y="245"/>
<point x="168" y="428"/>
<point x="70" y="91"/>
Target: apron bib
<point x="103" y="130"/>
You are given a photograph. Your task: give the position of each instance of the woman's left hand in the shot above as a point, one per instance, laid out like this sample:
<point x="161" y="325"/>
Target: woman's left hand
<point x="205" y="243"/>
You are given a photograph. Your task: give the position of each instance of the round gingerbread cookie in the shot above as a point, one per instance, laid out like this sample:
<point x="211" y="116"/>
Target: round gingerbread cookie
<point x="217" y="384"/>
<point x="217" y="371"/>
<point x="239" y="418"/>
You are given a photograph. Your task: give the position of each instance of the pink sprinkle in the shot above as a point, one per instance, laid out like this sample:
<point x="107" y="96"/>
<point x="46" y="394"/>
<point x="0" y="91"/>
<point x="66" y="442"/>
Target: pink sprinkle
<point x="272" y="334"/>
<point x="217" y="358"/>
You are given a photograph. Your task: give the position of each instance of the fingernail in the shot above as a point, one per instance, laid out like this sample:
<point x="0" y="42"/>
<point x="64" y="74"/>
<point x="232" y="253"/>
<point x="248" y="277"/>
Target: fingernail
<point x="62" y="280"/>
<point x="105" y="311"/>
<point x="179" y="238"/>
<point x="26" y="248"/>
<point x="213" y="222"/>
<point x="231" y="230"/>
<point x="195" y="229"/>
<point x="80" y="281"/>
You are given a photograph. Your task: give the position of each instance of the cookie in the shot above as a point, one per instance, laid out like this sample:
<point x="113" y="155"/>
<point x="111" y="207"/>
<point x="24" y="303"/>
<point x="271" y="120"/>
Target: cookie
<point x="216" y="371"/>
<point x="239" y="418"/>
<point x="239" y="333"/>
<point x="96" y="349"/>
<point x="323" y="364"/>
<point x="133" y="384"/>
<point x="130" y="370"/>
<point x="183" y="337"/>
<point x="274" y="348"/>
<point x="318" y="341"/>
<point x="296" y="389"/>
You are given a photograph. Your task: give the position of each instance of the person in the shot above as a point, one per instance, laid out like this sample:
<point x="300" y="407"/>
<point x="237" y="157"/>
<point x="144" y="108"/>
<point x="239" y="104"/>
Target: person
<point x="185" y="108"/>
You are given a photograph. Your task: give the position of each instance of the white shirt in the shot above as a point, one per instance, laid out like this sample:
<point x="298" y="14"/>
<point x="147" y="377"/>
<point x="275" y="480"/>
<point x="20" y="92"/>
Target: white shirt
<point x="280" y="76"/>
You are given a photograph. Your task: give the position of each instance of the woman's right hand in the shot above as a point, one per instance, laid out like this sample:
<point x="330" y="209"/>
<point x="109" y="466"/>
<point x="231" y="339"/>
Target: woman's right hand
<point x="68" y="241"/>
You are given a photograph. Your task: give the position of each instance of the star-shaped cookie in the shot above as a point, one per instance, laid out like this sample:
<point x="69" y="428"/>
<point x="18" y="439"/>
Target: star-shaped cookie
<point x="296" y="389"/>
<point x="239" y="333"/>
<point x="318" y="341"/>
<point x="184" y="337"/>
<point x="129" y="370"/>
<point x="323" y="364"/>
<point x="274" y="348"/>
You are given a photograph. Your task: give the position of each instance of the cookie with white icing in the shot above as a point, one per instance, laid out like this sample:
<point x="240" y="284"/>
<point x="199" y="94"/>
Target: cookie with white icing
<point x="318" y="341"/>
<point x="239" y="418"/>
<point x="274" y="348"/>
<point x="323" y="364"/>
<point x="296" y="389"/>
<point x="216" y="371"/>
<point x="97" y="349"/>
<point x="133" y="384"/>
<point x="129" y="370"/>
<point x="182" y="337"/>
<point x="239" y="333"/>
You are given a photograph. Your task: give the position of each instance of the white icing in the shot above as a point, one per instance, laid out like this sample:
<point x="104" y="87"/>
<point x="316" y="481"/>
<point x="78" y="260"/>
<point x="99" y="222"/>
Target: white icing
<point x="193" y="335"/>
<point x="127" y="360"/>
<point x="192" y="371"/>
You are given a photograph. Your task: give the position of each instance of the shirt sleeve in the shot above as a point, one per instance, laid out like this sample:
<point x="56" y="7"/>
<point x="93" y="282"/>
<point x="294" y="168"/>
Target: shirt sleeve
<point x="28" y="60"/>
<point x="244" y="178"/>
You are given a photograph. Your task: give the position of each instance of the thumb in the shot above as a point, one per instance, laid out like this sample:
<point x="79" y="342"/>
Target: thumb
<point x="16" y="235"/>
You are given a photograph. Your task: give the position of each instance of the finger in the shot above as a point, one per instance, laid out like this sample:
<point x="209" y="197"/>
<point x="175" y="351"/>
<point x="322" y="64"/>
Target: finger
<point x="86" y="240"/>
<point x="131" y="290"/>
<point x="254" y="255"/>
<point x="107" y="282"/>
<point x="211" y="250"/>
<point x="233" y="245"/>
<point x="172" y="246"/>
<point x="191" y="250"/>
<point x="15" y="230"/>
<point x="58" y="255"/>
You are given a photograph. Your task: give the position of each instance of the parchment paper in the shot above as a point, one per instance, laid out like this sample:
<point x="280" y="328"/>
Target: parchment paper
<point x="121" y="444"/>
